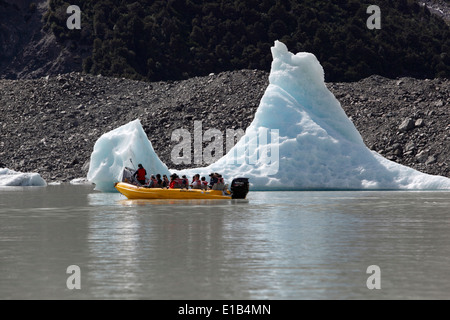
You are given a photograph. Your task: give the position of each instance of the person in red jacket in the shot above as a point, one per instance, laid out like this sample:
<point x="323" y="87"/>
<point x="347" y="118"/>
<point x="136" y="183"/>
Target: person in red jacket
<point x="173" y="181"/>
<point x="140" y="174"/>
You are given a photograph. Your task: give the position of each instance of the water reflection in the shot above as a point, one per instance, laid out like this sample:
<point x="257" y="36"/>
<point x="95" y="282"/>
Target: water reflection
<point x="101" y="200"/>
<point x="198" y="248"/>
<point x="114" y="242"/>
<point x="109" y="199"/>
<point x="174" y="202"/>
<point x="275" y="245"/>
<point x="169" y="246"/>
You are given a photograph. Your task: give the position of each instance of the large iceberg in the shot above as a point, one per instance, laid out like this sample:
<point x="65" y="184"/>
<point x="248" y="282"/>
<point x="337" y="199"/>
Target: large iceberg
<point x="313" y="144"/>
<point x="126" y="146"/>
<point x="300" y="139"/>
<point x="11" y="178"/>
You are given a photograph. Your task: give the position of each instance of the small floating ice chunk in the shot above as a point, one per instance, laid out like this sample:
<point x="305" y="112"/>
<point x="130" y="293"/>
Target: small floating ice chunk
<point x="78" y="181"/>
<point x="13" y="178"/>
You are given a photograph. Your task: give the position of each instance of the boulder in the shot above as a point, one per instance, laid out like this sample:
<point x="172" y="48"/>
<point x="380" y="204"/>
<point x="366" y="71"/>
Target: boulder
<point x="406" y="125"/>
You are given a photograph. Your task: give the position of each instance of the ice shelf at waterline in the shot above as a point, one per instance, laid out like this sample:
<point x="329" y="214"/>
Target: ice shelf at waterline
<point x="11" y="178"/>
<point x="316" y="146"/>
<point x="113" y="151"/>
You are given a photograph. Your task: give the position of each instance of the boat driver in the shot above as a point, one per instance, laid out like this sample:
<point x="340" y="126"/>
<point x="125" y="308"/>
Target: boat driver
<point x="140" y="174"/>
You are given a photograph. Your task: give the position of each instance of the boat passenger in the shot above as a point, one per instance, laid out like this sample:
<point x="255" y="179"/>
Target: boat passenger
<point x="159" y="181"/>
<point x="219" y="185"/>
<point x="175" y="182"/>
<point x="184" y="182"/>
<point x="213" y="180"/>
<point x="172" y="182"/>
<point x="140" y="174"/>
<point x="196" y="183"/>
<point x="153" y="182"/>
<point x="204" y="183"/>
<point x="165" y="182"/>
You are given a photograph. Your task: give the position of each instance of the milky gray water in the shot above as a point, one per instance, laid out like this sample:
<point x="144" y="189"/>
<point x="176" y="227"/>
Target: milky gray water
<point x="276" y="245"/>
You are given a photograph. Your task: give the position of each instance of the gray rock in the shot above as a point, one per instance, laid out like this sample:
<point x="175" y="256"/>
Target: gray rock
<point x="419" y="123"/>
<point x="398" y="152"/>
<point x="421" y="156"/>
<point x="439" y="103"/>
<point x="85" y="167"/>
<point x="411" y="146"/>
<point x="406" y="125"/>
<point x="431" y="160"/>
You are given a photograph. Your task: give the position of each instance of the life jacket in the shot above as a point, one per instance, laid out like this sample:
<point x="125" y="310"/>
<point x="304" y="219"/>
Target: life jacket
<point x="180" y="183"/>
<point x="176" y="183"/>
<point x="205" y="183"/>
<point x="154" y="183"/>
<point x="141" y="174"/>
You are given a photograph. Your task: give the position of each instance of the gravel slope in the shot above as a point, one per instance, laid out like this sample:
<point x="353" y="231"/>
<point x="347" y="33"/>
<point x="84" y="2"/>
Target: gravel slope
<point x="49" y="125"/>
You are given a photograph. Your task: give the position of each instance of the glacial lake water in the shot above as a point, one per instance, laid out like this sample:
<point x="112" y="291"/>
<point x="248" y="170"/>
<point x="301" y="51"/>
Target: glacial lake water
<point x="276" y="245"/>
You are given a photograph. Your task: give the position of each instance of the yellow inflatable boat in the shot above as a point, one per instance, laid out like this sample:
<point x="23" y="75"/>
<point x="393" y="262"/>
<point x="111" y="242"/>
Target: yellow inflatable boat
<point x="134" y="192"/>
<point x="239" y="190"/>
<point x="131" y="189"/>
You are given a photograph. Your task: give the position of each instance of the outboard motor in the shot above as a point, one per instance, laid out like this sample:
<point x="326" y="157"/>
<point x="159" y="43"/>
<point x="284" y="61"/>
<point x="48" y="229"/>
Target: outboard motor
<point x="239" y="188"/>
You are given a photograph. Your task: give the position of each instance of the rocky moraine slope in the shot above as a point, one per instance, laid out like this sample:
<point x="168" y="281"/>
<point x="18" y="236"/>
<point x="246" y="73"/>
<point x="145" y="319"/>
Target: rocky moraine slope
<point x="49" y="125"/>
